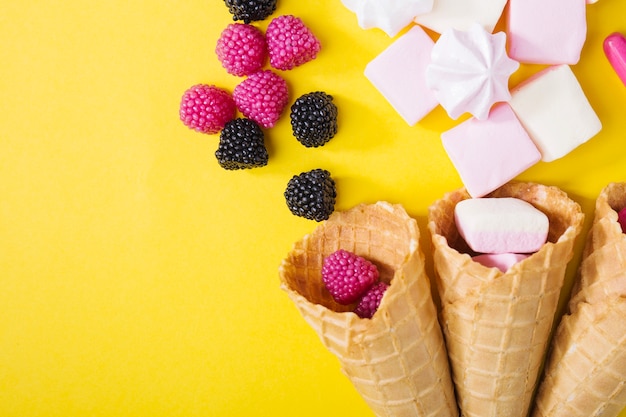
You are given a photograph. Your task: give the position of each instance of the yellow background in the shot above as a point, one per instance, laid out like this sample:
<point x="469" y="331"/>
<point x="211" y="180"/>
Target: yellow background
<point x="137" y="277"/>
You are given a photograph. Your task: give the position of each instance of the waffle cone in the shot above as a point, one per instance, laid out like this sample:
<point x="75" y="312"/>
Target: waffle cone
<point x="497" y="325"/>
<point x="585" y="374"/>
<point x="397" y="359"/>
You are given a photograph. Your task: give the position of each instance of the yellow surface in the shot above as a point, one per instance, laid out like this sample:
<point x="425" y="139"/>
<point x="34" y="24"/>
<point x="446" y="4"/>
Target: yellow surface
<point x="137" y="277"/>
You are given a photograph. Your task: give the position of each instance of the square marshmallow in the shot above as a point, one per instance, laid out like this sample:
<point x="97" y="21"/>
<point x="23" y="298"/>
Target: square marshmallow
<point x="399" y="73"/>
<point x="489" y="153"/>
<point x="462" y="14"/>
<point x="546" y="32"/>
<point x="553" y="108"/>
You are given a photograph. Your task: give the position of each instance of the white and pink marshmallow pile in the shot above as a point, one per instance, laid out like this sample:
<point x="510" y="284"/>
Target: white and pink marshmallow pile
<point x="501" y="231"/>
<point x="467" y="70"/>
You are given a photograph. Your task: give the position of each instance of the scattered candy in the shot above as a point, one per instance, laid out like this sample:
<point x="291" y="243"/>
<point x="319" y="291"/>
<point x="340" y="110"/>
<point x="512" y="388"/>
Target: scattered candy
<point x="462" y="14"/>
<point x="546" y="32"/>
<point x="348" y="276"/>
<point x="470" y="71"/>
<point x="501" y="225"/>
<point x="399" y="73"/>
<point x="290" y="42"/>
<point x="262" y="97"/>
<point x="615" y="51"/>
<point x="621" y="218"/>
<point x="391" y="16"/>
<point x="368" y="304"/>
<point x="502" y="261"/>
<point x="489" y="153"/>
<point x="553" y="108"/>
<point x="241" y="49"/>
<point x="206" y="108"/>
<point x="311" y="195"/>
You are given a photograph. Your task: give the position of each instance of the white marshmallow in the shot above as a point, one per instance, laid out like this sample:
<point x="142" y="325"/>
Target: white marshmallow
<point x="461" y="14"/>
<point x="389" y="15"/>
<point x="553" y="108"/>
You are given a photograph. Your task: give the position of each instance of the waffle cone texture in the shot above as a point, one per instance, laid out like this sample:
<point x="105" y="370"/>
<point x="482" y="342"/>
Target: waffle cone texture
<point x="585" y="374"/>
<point x="497" y="325"/>
<point x="396" y="360"/>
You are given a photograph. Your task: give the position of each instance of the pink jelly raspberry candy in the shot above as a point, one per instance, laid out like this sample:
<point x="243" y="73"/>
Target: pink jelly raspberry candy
<point x="621" y="218"/>
<point x="290" y="43"/>
<point x="241" y="49"/>
<point x="348" y="276"/>
<point x="262" y="97"/>
<point x="207" y="108"/>
<point x="368" y="304"/>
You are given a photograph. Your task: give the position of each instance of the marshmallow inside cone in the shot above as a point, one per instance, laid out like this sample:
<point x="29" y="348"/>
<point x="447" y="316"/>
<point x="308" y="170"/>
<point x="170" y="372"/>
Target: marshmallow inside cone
<point x="497" y="325"/>
<point x="501" y="225"/>
<point x="502" y="261"/>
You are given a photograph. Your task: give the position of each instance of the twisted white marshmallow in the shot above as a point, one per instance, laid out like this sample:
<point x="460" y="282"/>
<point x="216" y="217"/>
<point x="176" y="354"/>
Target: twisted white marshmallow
<point x="469" y="71"/>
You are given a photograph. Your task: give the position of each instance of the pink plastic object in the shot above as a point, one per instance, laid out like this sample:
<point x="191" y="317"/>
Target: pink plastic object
<point x="621" y="218"/>
<point x="615" y="51"/>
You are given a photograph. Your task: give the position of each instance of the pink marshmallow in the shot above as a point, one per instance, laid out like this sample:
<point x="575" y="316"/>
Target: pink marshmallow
<point x="615" y="51"/>
<point x="501" y="225"/>
<point x="621" y="218"/>
<point x="502" y="261"/>
<point x="399" y="73"/>
<point x="489" y="153"/>
<point x="546" y="32"/>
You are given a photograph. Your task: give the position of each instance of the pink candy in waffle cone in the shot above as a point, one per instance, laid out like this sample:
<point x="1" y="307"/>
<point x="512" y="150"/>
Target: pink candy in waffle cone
<point x="496" y="324"/>
<point x="585" y="374"/>
<point x="397" y="359"/>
